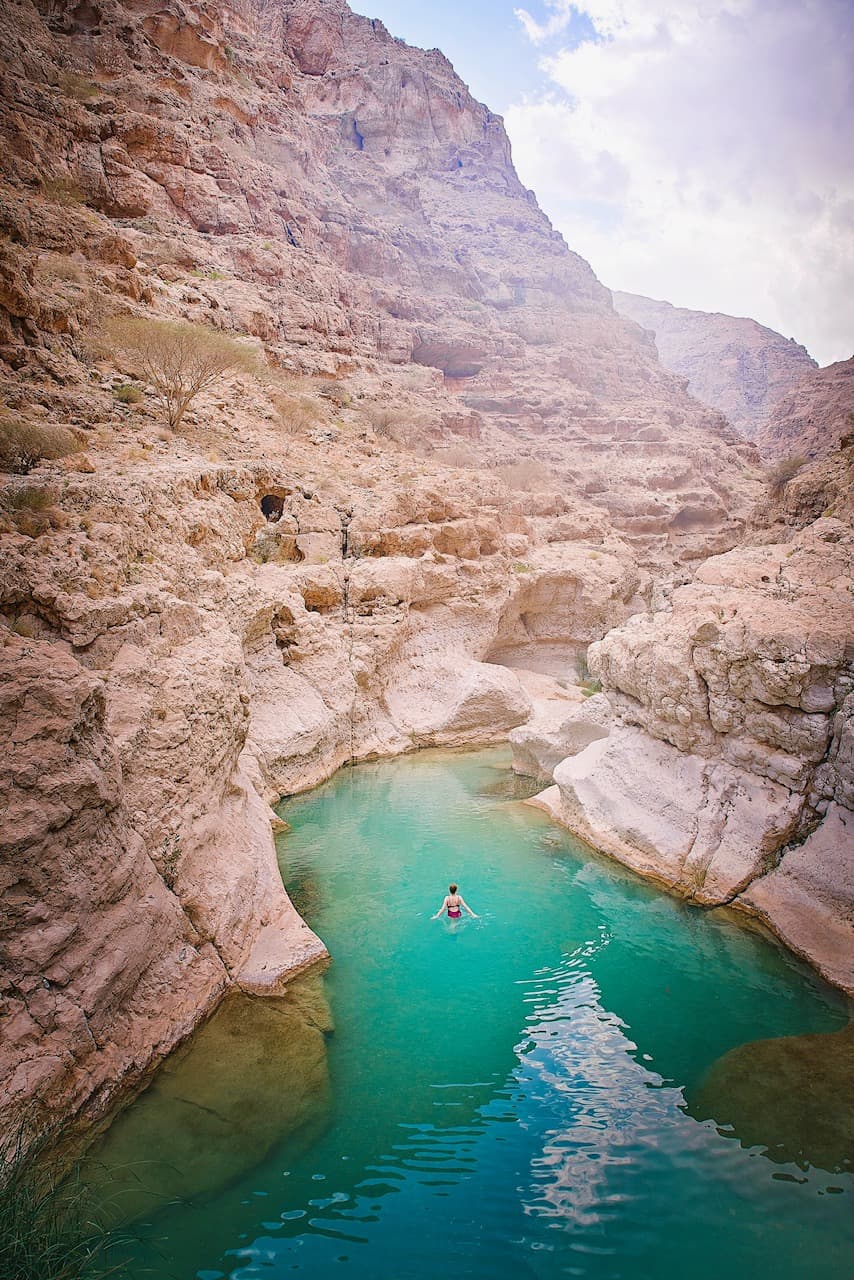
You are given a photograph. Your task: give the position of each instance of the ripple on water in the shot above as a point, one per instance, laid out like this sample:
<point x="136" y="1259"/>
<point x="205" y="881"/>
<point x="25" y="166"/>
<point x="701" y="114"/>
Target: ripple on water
<point x="555" y="1090"/>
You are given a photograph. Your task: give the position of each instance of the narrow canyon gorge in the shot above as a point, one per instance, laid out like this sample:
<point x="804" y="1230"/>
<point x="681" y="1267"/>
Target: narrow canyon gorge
<point x="454" y="473"/>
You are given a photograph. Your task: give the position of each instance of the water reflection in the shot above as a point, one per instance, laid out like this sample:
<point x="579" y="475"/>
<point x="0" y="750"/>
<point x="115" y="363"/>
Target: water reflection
<point x="252" y="1075"/>
<point x="794" y="1096"/>
<point x="500" y="783"/>
<point x="683" y="1018"/>
<point x="509" y="1098"/>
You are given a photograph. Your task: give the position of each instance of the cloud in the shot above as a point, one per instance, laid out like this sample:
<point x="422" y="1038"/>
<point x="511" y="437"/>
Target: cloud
<point x="540" y="31"/>
<point x="701" y="152"/>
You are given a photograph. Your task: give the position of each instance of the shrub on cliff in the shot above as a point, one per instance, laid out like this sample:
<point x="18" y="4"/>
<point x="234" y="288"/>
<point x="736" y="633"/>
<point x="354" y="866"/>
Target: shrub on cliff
<point x="398" y="424"/>
<point x="127" y="393"/>
<point x="385" y="419"/>
<point x="295" y="413"/>
<point x="23" y="445"/>
<point x="588" y="683"/>
<point x="782" y="472"/>
<point x="177" y="358"/>
<point x="527" y="476"/>
<point x="62" y="190"/>
<point x="458" y="455"/>
<point x="31" y="509"/>
<point x="335" y="391"/>
<point x="78" y="87"/>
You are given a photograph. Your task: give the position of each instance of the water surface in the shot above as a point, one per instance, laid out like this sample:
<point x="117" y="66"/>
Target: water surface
<point x="576" y="1084"/>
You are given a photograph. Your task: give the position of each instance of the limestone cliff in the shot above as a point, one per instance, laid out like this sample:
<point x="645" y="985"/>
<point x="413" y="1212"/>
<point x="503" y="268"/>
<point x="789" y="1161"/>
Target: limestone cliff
<point x="723" y="766"/>
<point x="735" y="365"/>
<point x="454" y="448"/>
<point x="814" y="418"/>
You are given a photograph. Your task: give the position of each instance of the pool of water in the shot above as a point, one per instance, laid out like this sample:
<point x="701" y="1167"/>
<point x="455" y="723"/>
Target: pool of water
<point x="592" y="1079"/>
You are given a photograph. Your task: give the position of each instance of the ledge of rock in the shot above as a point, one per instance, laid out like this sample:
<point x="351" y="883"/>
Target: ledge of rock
<point x="551" y="735"/>
<point x="704" y="827"/>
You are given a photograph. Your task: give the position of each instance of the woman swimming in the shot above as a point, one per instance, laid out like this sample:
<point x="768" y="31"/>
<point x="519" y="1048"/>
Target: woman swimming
<point x="453" y="901"/>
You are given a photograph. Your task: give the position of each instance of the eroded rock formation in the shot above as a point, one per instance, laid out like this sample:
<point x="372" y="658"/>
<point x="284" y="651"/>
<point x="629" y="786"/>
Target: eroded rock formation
<point x="726" y="771"/>
<point x="172" y="665"/>
<point x="733" y="364"/>
<point x="193" y="624"/>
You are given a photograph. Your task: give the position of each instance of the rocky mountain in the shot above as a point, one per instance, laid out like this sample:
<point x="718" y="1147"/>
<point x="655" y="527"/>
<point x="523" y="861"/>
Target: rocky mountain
<point x="453" y="467"/>
<point x="812" y="420"/>
<point x="734" y="365"/>
<point x="289" y="171"/>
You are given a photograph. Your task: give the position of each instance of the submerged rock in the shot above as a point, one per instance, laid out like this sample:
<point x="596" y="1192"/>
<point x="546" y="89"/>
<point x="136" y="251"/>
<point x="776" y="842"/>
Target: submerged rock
<point x="793" y="1096"/>
<point x="253" y="1075"/>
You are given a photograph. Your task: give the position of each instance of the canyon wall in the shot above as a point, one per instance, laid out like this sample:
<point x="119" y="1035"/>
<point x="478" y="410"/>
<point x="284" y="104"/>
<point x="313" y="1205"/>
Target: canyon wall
<point x="733" y="364"/>
<point x="719" y="758"/>
<point x="813" y="419"/>
<point x="289" y="171"/>
<point x="174" y="662"/>
<point x="462" y="450"/>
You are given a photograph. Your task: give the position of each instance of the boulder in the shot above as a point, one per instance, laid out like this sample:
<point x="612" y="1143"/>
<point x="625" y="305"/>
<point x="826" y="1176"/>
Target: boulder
<point x="702" y="827"/>
<point x="541" y="744"/>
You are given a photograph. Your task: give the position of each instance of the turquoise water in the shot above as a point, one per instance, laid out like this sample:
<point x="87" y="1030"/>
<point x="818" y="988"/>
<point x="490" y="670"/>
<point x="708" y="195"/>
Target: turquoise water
<point x="536" y="1093"/>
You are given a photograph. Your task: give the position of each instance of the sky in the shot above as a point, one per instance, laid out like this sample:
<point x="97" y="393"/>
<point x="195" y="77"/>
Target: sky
<point x="699" y="151"/>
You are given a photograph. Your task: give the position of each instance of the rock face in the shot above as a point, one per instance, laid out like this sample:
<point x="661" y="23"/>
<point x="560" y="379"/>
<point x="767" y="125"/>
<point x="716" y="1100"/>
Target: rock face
<point x="288" y="170"/>
<point x="734" y="365"/>
<point x="727" y="774"/>
<point x="813" y="419"/>
<point x="139" y="877"/>
<point x="172" y="662"/>
<point x="556" y="732"/>
<point x="192" y="625"/>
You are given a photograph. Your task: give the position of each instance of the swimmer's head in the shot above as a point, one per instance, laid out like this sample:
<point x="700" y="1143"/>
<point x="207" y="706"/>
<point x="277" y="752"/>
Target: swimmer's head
<point x="452" y="888"/>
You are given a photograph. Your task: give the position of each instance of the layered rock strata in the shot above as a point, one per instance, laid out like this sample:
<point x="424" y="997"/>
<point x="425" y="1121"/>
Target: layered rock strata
<point x="726" y="771"/>
<point x="287" y="170"/>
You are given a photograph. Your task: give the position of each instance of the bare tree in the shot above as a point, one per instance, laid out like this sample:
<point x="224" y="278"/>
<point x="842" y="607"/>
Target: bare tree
<point x="179" y="359"/>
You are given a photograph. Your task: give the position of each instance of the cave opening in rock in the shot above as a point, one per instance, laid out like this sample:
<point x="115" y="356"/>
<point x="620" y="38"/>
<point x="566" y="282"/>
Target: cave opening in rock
<point x="272" y="506"/>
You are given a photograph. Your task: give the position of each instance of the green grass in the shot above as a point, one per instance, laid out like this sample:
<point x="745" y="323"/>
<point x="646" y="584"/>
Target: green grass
<point x="588" y="683"/>
<point x="49" y="1230"/>
<point x="39" y="498"/>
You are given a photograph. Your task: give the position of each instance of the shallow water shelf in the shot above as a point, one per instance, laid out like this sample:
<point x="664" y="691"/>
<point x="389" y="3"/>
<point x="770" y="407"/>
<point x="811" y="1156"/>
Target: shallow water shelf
<point x="592" y="1079"/>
